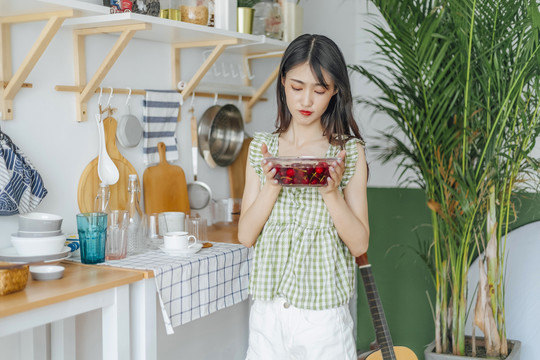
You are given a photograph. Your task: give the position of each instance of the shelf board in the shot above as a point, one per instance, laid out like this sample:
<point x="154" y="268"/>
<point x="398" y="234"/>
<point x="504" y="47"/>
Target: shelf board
<point x="24" y="7"/>
<point x="175" y="32"/>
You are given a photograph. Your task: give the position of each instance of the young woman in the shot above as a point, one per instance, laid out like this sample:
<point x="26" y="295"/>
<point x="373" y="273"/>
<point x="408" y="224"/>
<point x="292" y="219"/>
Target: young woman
<point x="306" y="239"/>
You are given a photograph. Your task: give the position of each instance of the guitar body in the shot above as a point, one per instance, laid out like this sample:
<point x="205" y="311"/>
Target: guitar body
<point x="401" y="352"/>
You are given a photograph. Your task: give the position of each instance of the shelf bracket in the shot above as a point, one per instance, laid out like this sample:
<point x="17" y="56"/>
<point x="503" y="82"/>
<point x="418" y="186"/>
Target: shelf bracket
<point x="127" y="32"/>
<point x="15" y="82"/>
<point x="260" y="91"/>
<point x="220" y="46"/>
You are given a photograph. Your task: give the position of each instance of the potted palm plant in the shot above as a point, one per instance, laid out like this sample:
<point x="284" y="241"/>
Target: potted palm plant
<point x="459" y="79"/>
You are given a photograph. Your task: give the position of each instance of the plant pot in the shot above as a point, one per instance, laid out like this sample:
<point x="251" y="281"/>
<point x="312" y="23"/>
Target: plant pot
<point x="245" y="20"/>
<point x="514" y="351"/>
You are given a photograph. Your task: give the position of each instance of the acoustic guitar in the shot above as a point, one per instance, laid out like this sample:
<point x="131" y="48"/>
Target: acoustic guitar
<point x="386" y="351"/>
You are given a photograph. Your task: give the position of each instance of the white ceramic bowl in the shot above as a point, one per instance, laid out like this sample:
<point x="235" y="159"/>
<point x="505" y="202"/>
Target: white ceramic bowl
<point x="39" y="222"/>
<point x="35" y="246"/>
<point x="22" y="233"/>
<point x="47" y="272"/>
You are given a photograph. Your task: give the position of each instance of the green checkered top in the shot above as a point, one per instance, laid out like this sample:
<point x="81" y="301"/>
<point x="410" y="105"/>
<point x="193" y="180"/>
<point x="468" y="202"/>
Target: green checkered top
<point x="299" y="255"/>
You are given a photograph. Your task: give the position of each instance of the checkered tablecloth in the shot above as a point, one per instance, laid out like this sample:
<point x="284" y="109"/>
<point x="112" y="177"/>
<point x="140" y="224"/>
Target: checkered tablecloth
<point x="196" y="285"/>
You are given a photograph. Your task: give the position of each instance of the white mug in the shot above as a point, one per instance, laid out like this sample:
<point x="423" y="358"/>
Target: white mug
<point x="179" y="240"/>
<point x="170" y="221"/>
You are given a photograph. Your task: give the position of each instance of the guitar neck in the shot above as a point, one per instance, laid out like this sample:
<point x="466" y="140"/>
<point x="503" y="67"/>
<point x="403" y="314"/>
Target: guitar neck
<point x="382" y="332"/>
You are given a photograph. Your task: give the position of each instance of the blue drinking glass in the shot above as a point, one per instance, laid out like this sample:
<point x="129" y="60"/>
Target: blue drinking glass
<point x="92" y="228"/>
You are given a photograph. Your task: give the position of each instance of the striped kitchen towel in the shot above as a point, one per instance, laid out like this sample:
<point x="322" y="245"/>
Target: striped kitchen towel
<point x="159" y="119"/>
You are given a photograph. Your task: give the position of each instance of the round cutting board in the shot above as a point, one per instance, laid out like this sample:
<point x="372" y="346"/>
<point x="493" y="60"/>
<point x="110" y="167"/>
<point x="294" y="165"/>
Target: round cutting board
<point x="89" y="181"/>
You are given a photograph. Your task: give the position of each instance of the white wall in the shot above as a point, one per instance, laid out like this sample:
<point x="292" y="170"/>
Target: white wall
<point x="345" y="21"/>
<point x="44" y="125"/>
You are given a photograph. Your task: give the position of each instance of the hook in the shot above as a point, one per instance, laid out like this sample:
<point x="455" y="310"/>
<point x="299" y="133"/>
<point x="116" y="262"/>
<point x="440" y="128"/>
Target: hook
<point x="233" y="72"/>
<point x="128" y="97"/>
<point x="100" y="94"/>
<point x="216" y="72"/>
<point x="239" y="101"/>
<point x="249" y="75"/>
<point x="225" y="73"/>
<point x="192" y="99"/>
<point x="215" y="98"/>
<point x="110" y="97"/>
<point x="241" y="72"/>
<point x="181" y="100"/>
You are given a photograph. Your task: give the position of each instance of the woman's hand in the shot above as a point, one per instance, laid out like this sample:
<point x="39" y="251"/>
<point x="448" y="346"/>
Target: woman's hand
<point x="268" y="168"/>
<point x="336" y="174"/>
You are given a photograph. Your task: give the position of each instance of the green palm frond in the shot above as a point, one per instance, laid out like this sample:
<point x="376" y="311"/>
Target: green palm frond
<point x="460" y="80"/>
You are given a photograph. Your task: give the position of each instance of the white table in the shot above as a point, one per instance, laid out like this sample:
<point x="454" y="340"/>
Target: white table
<point x="188" y="288"/>
<point x="82" y="289"/>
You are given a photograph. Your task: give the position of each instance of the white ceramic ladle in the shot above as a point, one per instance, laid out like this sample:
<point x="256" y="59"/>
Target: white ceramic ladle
<point x="107" y="170"/>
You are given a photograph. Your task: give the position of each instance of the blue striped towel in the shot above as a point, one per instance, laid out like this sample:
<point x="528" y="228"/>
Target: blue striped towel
<point x="159" y="119"/>
<point x="21" y="186"/>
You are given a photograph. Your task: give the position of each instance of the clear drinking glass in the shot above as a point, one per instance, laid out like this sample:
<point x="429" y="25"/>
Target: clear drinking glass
<point x="117" y="235"/>
<point x="151" y="231"/>
<point x="197" y="226"/>
<point x="92" y="228"/>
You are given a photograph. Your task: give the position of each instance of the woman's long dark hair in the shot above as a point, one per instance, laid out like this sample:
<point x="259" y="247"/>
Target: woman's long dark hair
<point x="320" y="53"/>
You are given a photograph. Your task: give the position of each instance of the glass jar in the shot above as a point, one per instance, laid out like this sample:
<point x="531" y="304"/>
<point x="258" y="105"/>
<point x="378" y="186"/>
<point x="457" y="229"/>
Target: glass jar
<point x="262" y="13"/>
<point x="169" y="9"/>
<point x="194" y="11"/>
<point x="273" y="22"/>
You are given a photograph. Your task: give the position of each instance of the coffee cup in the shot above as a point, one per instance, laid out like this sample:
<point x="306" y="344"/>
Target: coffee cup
<point x="171" y="221"/>
<point x="179" y="240"/>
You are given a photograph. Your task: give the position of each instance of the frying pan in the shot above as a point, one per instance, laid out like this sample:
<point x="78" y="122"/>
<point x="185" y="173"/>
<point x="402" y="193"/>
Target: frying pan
<point x="199" y="193"/>
<point x="220" y="134"/>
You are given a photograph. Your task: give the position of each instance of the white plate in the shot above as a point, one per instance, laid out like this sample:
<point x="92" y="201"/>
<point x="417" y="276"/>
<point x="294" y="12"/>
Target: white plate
<point x="188" y="251"/>
<point x="11" y="255"/>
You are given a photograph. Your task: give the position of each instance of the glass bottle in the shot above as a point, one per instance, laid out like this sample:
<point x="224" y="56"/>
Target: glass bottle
<point x="101" y="202"/>
<point x="135" y="238"/>
<point x="262" y="12"/>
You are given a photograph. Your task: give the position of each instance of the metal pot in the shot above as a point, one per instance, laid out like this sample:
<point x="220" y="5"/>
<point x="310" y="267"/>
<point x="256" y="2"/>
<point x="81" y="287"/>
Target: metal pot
<point x="220" y="134"/>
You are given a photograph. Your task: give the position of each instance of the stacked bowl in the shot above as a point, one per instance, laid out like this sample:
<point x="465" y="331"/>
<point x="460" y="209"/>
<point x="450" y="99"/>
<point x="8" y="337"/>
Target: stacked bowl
<point x="39" y="234"/>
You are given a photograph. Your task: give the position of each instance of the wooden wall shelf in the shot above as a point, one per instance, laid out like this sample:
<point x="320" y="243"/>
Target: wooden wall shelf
<point x="16" y="81"/>
<point x="88" y="19"/>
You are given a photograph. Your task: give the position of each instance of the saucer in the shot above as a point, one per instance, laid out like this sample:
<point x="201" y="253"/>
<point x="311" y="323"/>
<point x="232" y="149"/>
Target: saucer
<point x="11" y="255"/>
<point x="187" y="251"/>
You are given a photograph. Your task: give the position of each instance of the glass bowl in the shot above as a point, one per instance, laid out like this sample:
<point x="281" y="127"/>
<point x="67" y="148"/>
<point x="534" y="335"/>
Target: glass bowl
<point x="302" y="171"/>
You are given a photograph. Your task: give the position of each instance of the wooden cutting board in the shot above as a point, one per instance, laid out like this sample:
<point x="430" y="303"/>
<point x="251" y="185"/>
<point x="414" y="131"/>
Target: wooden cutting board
<point x="89" y="181"/>
<point x="237" y="171"/>
<point x="165" y="187"/>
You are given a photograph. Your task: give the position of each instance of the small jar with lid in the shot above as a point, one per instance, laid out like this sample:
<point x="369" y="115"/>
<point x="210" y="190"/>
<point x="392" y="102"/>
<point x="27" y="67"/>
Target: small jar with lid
<point x="194" y="11"/>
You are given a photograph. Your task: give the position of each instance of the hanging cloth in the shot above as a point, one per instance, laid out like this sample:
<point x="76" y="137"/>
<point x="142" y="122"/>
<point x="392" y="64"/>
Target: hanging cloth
<point x="21" y="186"/>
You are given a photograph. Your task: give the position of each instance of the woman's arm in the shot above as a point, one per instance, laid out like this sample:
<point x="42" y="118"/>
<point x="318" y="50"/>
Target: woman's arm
<point x="257" y="203"/>
<point x="350" y="211"/>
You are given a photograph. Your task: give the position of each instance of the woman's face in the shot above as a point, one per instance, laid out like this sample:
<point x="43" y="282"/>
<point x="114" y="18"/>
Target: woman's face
<point x="307" y="99"/>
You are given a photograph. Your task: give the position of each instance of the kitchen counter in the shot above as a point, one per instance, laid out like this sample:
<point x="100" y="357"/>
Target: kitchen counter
<point x="227" y="233"/>
<point x="77" y="281"/>
<point x="56" y="302"/>
<point x="171" y="294"/>
<point x="129" y="302"/>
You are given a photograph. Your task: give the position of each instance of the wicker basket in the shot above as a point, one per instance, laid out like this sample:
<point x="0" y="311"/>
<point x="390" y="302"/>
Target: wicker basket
<point x="13" y="280"/>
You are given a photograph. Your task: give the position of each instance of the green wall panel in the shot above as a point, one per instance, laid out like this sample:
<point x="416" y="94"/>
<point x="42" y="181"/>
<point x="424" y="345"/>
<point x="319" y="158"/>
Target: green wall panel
<point x="398" y="219"/>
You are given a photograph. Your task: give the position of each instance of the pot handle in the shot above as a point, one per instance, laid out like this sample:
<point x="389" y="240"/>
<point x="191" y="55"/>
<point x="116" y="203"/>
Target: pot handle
<point x="194" y="144"/>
